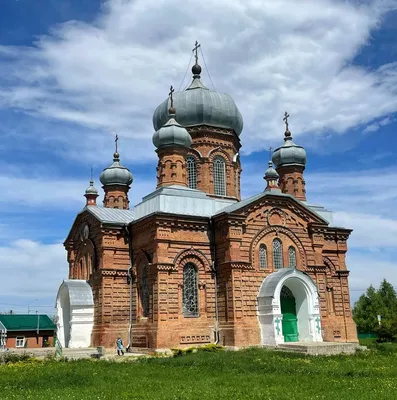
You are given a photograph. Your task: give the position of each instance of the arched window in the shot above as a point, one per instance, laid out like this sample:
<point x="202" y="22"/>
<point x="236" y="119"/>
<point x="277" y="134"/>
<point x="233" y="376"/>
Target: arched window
<point x="277" y="254"/>
<point x="262" y="256"/>
<point x="219" y="176"/>
<point x="144" y="292"/>
<point x="190" y="291"/>
<point x="191" y="172"/>
<point x="292" y="257"/>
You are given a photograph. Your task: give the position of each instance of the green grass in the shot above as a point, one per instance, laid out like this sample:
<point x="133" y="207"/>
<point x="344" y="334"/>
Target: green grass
<point x="249" y="374"/>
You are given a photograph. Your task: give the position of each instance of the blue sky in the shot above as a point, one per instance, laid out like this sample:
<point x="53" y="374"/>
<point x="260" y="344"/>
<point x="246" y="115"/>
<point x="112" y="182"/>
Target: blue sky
<point x="72" y="73"/>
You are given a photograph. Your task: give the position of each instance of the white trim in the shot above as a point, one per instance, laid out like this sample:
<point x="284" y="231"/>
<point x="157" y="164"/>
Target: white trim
<point x="307" y="304"/>
<point x="18" y="339"/>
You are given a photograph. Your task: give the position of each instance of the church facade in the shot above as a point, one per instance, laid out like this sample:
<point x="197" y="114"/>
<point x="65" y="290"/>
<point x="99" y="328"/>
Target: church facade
<point x="193" y="263"/>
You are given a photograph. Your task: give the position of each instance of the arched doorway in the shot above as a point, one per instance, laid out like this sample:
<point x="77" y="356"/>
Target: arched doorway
<point x="288" y="310"/>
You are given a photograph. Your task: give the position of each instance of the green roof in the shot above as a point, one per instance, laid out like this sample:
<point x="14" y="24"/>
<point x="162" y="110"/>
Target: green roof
<point x="27" y="322"/>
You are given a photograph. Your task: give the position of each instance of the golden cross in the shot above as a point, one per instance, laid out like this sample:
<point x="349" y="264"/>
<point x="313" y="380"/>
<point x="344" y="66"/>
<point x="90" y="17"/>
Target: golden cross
<point x="116" y="140"/>
<point x="196" y="46"/>
<point x="285" y="119"/>
<point x="172" y="90"/>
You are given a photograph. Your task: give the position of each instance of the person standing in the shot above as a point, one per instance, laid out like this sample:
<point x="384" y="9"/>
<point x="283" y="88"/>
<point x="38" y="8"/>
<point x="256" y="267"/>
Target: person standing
<point x="120" y="347"/>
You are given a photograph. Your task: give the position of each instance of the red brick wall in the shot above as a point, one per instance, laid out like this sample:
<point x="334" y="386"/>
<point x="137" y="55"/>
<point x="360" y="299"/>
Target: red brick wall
<point x="33" y="341"/>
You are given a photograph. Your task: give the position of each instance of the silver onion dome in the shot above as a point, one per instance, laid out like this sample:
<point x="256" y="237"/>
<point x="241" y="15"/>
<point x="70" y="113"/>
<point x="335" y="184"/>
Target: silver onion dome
<point x="197" y="105"/>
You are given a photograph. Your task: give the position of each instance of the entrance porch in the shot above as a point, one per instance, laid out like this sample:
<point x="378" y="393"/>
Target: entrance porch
<point x="288" y="308"/>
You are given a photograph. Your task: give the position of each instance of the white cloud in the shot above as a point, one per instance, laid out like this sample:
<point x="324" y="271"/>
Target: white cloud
<point x="270" y="56"/>
<point x="31" y="270"/>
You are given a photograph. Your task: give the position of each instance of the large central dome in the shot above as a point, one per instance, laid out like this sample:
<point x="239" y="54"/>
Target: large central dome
<point x="197" y="105"/>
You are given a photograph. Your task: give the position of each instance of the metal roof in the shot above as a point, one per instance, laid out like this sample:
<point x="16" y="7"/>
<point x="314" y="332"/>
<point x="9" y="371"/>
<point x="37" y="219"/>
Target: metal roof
<point x="2" y="327"/>
<point x="313" y="209"/>
<point x="180" y="200"/>
<point x="80" y="292"/>
<point x="27" y="322"/>
<point x="111" y="215"/>
<point x="197" y="105"/>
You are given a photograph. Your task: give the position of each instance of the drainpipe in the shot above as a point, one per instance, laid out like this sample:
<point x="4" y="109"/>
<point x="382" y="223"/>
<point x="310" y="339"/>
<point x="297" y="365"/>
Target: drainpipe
<point x="215" y="275"/>
<point x="130" y="277"/>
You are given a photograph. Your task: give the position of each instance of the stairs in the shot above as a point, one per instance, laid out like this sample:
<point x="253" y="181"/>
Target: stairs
<point x="319" y="348"/>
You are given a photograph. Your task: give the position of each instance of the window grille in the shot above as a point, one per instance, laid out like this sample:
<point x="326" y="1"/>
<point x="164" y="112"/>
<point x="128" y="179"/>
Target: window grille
<point x="190" y="291"/>
<point x="191" y="172"/>
<point x="262" y="256"/>
<point x="219" y="176"/>
<point x="144" y="292"/>
<point x="292" y="257"/>
<point x="20" y="341"/>
<point x="277" y="254"/>
<point x="286" y="293"/>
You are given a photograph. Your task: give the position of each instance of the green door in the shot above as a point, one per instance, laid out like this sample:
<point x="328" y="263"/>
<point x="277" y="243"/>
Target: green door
<point x="288" y="309"/>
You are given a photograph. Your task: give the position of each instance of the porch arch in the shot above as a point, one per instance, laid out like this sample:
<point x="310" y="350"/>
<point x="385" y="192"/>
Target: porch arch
<point x="270" y="316"/>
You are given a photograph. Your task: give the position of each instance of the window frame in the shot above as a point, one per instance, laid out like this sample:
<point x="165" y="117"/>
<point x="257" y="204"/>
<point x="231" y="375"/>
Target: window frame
<point x="18" y="338"/>
<point x="196" y="312"/>
<point x="262" y="256"/>
<point x="219" y="175"/>
<point x="144" y="289"/>
<point x="191" y="167"/>
<point x="278" y="262"/>
<point x="294" y="256"/>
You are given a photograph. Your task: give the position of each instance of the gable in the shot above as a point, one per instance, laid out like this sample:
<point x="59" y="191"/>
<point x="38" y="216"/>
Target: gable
<point x="275" y="209"/>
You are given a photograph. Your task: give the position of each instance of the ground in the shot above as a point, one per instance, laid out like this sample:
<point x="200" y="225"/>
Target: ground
<point x="248" y="374"/>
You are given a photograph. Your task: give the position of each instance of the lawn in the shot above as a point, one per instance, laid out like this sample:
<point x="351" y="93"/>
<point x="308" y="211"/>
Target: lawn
<point x="249" y="374"/>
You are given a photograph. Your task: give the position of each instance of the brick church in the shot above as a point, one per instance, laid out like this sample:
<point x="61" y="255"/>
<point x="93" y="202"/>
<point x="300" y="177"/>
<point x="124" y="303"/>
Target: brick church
<point x="193" y="263"/>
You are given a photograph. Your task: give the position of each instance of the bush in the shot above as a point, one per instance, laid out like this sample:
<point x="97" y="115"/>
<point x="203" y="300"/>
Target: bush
<point x="8" y="357"/>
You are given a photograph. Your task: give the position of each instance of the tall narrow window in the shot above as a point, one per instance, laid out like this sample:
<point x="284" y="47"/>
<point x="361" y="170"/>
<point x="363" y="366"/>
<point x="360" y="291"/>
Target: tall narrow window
<point x="262" y="256"/>
<point x="190" y="291"/>
<point x="219" y="176"/>
<point x="292" y="257"/>
<point x="277" y="254"/>
<point x="144" y="284"/>
<point x="191" y="172"/>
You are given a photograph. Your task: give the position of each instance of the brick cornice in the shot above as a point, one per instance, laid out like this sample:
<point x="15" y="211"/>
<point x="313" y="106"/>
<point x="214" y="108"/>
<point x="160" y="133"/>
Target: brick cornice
<point x="238" y="265"/>
<point x="114" y="272"/>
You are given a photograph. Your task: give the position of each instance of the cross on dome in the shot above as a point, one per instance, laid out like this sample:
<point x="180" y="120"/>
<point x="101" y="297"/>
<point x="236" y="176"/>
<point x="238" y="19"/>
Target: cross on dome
<point x="171" y="110"/>
<point x="196" y="46"/>
<point x="285" y="119"/>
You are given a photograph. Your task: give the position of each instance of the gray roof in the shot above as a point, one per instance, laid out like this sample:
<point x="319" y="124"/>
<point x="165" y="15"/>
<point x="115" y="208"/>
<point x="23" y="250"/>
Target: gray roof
<point x="180" y="200"/>
<point x="110" y="215"/>
<point x="80" y="292"/>
<point x="172" y="134"/>
<point x="2" y="327"/>
<point x="116" y="174"/>
<point x="314" y="209"/>
<point x="197" y="105"/>
<point x="289" y="154"/>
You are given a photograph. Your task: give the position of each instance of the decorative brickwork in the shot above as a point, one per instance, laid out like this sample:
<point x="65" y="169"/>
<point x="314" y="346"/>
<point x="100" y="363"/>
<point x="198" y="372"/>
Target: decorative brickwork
<point x="291" y="181"/>
<point x="116" y="196"/>
<point x="171" y="169"/>
<point x="209" y="142"/>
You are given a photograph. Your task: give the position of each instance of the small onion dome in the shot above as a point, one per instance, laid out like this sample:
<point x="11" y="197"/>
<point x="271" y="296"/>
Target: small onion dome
<point x="197" y="105"/>
<point x="172" y="134"/>
<point x="289" y="153"/>
<point x="91" y="189"/>
<point x="271" y="173"/>
<point x="116" y="174"/>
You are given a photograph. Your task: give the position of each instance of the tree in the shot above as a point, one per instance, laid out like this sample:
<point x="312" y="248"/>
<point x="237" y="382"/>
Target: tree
<point x="374" y="302"/>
